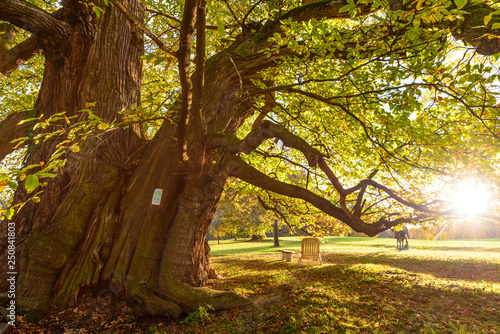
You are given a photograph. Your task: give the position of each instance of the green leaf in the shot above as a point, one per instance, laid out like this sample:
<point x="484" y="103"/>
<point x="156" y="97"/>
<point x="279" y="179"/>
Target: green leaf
<point x="460" y="3"/>
<point x="9" y="213"/>
<point x="495" y="26"/>
<point x="97" y="10"/>
<point x="345" y="8"/>
<point x="220" y="26"/>
<point x="31" y="183"/>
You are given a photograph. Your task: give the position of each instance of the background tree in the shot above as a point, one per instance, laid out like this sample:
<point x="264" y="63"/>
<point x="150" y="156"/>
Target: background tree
<point x="239" y="214"/>
<point x="381" y="103"/>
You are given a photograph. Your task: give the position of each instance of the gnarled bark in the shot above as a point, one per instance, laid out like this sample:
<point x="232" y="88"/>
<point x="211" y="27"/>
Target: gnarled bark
<point x="10" y="130"/>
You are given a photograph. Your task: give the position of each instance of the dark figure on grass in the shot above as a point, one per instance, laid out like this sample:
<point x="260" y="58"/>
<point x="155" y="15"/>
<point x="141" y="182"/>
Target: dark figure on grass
<point x="402" y="237"/>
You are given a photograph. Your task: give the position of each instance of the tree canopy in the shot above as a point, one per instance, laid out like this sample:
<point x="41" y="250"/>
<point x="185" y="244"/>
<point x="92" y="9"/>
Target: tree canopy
<point x="383" y="104"/>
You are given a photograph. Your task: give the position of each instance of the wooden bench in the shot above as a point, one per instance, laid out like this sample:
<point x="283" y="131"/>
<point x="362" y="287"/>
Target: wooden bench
<point x="286" y="255"/>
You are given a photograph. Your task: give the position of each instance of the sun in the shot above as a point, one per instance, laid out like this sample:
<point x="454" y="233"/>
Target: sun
<point x="471" y="198"/>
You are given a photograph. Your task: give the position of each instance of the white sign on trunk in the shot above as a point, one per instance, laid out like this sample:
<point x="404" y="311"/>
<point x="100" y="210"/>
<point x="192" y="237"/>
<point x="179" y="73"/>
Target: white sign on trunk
<point x="157" y="197"/>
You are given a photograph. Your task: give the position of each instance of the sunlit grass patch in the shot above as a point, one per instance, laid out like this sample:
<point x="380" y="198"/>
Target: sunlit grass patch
<point x="367" y="286"/>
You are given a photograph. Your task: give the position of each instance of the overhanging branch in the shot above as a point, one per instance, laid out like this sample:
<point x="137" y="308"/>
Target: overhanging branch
<point x="238" y="168"/>
<point x="352" y="217"/>
<point x="317" y="10"/>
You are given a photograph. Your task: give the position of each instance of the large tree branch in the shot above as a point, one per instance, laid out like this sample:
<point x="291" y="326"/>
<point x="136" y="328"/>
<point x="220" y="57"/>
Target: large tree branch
<point x="30" y="17"/>
<point x="11" y="59"/>
<point x="255" y="138"/>
<point x="241" y="170"/>
<point x="19" y="54"/>
<point x="353" y="218"/>
<point x="317" y="10"/>
<point x="471" y="30"/>
<point x="190" y="104"/>
<point x="10" y="129"/>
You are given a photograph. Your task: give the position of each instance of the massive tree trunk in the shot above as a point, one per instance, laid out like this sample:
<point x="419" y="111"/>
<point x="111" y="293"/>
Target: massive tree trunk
<point x="61" y="236"/>
<point x="95" y="225"/>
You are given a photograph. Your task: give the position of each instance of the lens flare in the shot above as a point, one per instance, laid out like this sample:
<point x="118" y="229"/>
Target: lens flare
<point x="471" y="198"/>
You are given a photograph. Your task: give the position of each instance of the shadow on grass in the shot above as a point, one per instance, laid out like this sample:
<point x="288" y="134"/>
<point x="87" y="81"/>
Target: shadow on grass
<point x="247" y="263"/>
<point x="452" y="269"/>
<point x="397" y="296"/>
<point x="342" y="298"/>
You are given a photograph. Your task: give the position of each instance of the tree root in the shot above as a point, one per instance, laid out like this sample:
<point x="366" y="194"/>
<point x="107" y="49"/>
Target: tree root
<point x="172" y="303"/>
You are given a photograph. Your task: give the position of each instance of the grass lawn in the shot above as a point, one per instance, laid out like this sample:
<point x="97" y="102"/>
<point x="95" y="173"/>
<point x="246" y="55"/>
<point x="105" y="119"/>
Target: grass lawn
<point x="364" y="286"/>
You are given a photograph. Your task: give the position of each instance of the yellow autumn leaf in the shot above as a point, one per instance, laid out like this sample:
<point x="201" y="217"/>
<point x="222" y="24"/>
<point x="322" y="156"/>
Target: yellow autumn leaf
<point x="3" y="184"/>
<point x="75" y="148"/>
<point x="487" y="18"/>
<point x="419" y="4"/>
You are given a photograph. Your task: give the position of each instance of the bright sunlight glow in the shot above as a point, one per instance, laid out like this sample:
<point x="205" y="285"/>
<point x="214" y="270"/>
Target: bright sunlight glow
<point x="471" y="198"/>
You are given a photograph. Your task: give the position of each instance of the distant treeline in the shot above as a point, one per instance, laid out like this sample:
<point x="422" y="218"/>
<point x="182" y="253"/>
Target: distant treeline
<point x="452" y="230"/>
